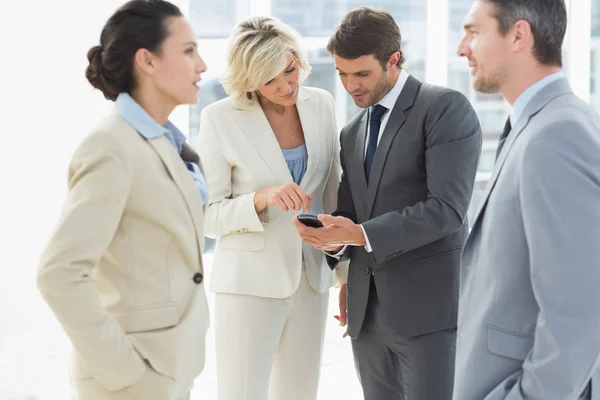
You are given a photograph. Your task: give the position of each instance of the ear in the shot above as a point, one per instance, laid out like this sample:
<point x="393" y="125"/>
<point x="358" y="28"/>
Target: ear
<point x="522" y="37"/>
<point x="394" y="58"/>
<point x="145" y="61"/>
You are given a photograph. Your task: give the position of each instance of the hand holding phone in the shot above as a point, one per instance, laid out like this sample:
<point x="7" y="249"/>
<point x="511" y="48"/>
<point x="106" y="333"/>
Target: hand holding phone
<point x="310" y="220"/>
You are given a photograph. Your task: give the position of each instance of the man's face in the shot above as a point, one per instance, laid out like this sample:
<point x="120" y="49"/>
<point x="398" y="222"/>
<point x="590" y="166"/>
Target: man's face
<point x="364" y="78"/>
<point x="485" y="48"/>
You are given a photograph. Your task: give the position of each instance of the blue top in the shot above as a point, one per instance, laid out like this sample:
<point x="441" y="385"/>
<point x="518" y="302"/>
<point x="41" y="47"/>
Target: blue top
<point x="296" y="160"/>
<point x="146" y="126"/>
<point x="527" y="95"/>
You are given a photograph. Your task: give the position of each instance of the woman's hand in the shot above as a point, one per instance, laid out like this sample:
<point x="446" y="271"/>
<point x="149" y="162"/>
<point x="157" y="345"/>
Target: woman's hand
<point x="286" y="197"/>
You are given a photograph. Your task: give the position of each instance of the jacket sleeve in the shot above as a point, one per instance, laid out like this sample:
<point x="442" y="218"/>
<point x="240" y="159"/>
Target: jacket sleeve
<point x="224" y="214"/>
<point x="100" y="177"/>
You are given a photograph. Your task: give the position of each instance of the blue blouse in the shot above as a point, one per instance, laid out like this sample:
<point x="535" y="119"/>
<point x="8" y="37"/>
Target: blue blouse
<point x="296" y="160"/>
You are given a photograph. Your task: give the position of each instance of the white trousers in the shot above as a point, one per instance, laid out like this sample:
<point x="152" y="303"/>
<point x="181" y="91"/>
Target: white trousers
<point x="270" y="349"/>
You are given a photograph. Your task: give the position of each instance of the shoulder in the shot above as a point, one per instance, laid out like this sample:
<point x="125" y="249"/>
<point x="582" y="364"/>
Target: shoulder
<point x="317" y="92"/>
<point x="112" y="138"/>
<point x="353" y="124"/>
<point x="219" y="107"/>
<point x="440" y="95"/>
<point x="566" y="120"/>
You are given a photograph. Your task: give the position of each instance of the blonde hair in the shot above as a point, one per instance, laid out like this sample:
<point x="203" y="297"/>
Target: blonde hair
<point x="256" y="55"/>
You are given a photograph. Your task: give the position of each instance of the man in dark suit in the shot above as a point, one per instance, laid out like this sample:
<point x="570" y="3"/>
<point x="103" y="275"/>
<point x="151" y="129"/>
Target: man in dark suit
<point x="409" y="161"/>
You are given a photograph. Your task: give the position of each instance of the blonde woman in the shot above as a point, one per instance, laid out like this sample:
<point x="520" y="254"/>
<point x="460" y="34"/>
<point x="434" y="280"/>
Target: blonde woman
<point x="271" y="152"/>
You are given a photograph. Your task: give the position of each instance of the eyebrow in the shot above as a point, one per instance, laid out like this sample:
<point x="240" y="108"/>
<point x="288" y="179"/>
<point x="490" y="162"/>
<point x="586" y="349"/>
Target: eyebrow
<point x="364" y="71"/>
<point x="468" y="26"/>
<point x="192" y="42"/>
<point x="290" y="64"/>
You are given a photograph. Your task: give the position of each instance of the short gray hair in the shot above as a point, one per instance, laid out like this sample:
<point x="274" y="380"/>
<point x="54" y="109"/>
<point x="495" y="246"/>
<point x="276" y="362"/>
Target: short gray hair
<point x="256" y="54"/>
<point x="548" y="21"/>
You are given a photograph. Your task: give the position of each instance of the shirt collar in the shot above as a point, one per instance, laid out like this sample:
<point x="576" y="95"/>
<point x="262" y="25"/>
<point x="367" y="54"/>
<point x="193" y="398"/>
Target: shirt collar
<point x="389" y="100"/>
<point x="142" y="122"/>
<point x="525" y="97"/>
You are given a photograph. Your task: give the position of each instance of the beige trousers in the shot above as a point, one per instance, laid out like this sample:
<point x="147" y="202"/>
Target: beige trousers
<point x="270" y="349"/>
<point x="152" y="386"/>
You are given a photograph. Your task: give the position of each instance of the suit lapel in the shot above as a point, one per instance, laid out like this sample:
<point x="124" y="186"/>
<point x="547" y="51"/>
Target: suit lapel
<point x="355" y="168"/>
<point x="547" y="94"/>
<point x="256" y="127"/>
<point x="308" y="110"/>
<point x="397" y="118"/>
<point x="180" y="175"/>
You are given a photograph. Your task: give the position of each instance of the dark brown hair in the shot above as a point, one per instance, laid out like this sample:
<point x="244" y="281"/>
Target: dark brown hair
<point x="548" y="22"/>
<point x="365" y="31"/>
<point x="138" y="24"/>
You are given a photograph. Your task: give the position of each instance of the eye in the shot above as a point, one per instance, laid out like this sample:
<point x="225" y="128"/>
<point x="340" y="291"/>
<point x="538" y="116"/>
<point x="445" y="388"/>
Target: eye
<point x="363" y="74"/>
<point x="289" y="71"/>
<point x="341" y="73"/>
<point x="268" y="83"/>
<point x="189" y="51"/>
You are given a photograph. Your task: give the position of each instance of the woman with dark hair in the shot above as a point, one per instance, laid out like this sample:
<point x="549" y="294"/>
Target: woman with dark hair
<point x="123" y="269"/>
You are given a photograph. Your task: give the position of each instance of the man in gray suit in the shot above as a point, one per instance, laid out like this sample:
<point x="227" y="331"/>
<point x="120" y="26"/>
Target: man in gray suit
<point x="529" y="311"/>
<point x="409" y="161"/>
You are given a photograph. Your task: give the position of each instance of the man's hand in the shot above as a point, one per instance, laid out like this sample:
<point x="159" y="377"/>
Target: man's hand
<point x="336" y="233"/>
<point x="343" y="317"/>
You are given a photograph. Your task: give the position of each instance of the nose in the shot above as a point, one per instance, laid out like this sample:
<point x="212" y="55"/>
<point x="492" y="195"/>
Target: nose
<point x="463" y="49"/>
<point x="352" y="85"/>
<point x="201" y="65"/>
<point x="283" y="85"/>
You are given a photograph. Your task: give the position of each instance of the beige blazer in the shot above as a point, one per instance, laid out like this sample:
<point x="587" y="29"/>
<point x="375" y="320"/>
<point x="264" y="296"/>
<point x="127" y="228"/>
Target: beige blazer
<point x="262" y="255"/>
<point x="119" y="269"/>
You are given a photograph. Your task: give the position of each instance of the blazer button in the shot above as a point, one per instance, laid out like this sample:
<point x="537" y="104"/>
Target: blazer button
<point x="197" y="278"/>
<point x="367" y="270"/>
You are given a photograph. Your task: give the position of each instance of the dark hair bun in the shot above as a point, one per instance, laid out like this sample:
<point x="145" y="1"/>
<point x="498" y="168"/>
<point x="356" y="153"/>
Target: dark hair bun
<point x="137" y="24"/>
<point x="96" y="74"/>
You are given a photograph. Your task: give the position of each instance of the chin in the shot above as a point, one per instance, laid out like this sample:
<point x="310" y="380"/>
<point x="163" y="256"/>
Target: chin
<point x="191" y="99"/>
<point x="289" y="102"/>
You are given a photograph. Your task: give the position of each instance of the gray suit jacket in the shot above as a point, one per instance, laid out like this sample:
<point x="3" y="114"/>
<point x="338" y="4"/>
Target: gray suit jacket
<point x="529" y="319"/>
<point x="413" y="209"/>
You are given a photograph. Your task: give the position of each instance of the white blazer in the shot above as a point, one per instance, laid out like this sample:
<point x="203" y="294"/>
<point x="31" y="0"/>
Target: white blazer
<point x="261" y="255"/>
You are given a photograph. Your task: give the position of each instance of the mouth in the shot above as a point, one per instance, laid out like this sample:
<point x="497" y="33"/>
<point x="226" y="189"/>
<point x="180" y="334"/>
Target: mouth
<point x="197" y="83"/>
<point x="291" y="94"/>
<point x="358" y="96"/>
<point x="473" y="69"/>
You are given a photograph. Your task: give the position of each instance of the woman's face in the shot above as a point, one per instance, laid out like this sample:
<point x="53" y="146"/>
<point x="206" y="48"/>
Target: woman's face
<point x="178" y="66"/>
<point x="283" y="89"/>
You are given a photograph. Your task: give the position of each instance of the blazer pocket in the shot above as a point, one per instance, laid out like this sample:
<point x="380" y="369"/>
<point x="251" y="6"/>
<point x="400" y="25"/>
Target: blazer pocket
<point x="148" y="319"/>
<point x="247" y="241"/>
<point x="509" y="344"/>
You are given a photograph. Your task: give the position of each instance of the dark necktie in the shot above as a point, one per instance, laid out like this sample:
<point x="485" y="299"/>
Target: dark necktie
<point x="375" y="115"/>
<point x="503" y="137"/>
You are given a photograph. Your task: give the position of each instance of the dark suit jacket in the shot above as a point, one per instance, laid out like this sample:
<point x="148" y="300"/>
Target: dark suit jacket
<point x="413" y="209"/>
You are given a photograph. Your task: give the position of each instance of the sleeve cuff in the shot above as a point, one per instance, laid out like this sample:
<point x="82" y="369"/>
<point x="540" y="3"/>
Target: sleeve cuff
<point x="337" y="255"/>
<point x="368" y="245"/>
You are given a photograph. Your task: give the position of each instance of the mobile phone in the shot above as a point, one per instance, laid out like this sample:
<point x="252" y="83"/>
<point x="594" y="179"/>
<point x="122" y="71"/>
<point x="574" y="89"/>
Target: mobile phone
<point x="310" y="220"/>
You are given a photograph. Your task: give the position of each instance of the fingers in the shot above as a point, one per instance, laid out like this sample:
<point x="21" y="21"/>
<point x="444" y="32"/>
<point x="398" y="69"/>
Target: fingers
<point x="346" y="332"/>
<point x="291" y="197"/>
<point x="280" y="203"/>
<point x="327" y="219"/>
<point x="302" y="197"/>
<point x="343" y="317"/>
